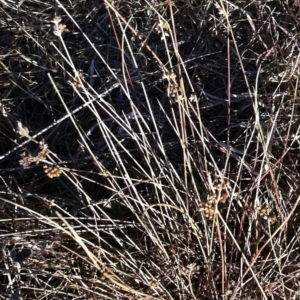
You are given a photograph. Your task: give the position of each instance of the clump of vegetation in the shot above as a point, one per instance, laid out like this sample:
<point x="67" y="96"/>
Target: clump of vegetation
<point x="149" y="149"/>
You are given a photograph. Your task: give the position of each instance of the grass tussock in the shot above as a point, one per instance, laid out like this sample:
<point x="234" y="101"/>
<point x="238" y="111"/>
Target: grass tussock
<point x="149" y="149"/>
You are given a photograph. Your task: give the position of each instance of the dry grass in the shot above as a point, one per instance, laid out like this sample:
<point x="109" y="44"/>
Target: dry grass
<point x="149" y="149"/>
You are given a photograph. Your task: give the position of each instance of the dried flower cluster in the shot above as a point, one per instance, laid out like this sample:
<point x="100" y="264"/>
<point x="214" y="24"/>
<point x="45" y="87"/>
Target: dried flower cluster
<point x="265" y="212"/>
<point x="218" y="193"/>
<point x="77" y="81"/>
<point x="208" y="210"/>
<point x="52" y="171"/>
<point x="58" y="27"/>
<point x="173" y="89"/>
<point x="26" y="160"/>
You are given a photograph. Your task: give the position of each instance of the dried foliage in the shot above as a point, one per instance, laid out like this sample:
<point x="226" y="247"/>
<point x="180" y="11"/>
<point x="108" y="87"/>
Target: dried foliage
<point x="149" y="149"/>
